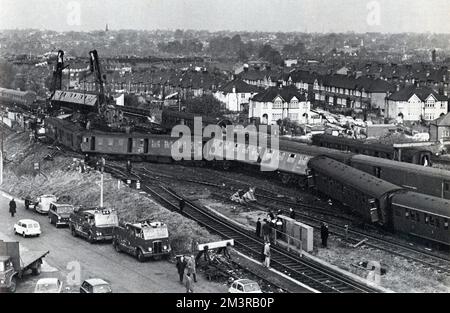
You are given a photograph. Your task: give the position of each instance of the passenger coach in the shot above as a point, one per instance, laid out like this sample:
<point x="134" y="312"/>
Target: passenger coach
<point x="364" y="193"/>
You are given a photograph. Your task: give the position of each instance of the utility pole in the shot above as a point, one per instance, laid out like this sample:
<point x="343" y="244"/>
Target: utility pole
<point x="1" y="167"/>
<point x="1" y="163"/>
<point x="102" y="168"/>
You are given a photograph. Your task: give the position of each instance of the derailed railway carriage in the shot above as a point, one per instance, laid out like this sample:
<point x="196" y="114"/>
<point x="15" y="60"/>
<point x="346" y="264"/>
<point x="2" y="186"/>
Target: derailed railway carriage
<point x="421" y="216"/>
<point x="364" y="193"/>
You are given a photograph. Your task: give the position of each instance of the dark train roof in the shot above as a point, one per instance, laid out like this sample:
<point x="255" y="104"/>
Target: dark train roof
<point x="297" y="147"/>
<point x="190" y="116"/>
<point x="423" y="170"/>
<point x="353" y="142"/>
<point x="424" y="203"/>
<point x="350" y="176"/>
<point x="67" y="125"/>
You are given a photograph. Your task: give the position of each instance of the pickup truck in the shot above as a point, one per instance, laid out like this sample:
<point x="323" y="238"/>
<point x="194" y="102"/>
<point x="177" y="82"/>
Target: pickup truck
<point x="15" y="263"/>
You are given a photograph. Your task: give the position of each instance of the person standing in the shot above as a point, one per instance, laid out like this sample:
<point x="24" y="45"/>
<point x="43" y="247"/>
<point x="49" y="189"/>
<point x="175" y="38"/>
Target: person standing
<point x="12" y="207"/>
<point x="191" y="268"/>
<point x="324" y="232"/>
<point x="188" y="284"/>
<point x="181" y="205"/>
<point x="258" y="228"/>
<point x="267" y="254"/>
<point x="292" y="213"/>
<point x="266" y="230"/>
<point x="181" y="265"/>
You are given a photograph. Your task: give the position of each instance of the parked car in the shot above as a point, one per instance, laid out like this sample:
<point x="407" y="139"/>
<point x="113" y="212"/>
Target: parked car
<point x="95" y="285"/>
<point x="48" y="285"/>
<point x="244" y="286"/>
<point x="43" y="203"/>
<point x="59" y="213"/>
<point x="27" y="227"/>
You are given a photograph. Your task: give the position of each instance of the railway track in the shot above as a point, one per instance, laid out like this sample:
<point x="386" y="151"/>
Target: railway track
<point x="352" y="236"/>
<point x="316" y="276"/>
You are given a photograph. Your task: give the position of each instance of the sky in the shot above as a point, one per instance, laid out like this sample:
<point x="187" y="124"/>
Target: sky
<point x="387" y="16"/>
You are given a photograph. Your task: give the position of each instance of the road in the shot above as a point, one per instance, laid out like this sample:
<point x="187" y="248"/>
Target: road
<point x="123" y="272"/>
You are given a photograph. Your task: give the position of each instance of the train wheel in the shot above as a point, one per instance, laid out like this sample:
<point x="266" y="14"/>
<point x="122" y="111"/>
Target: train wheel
<point x="302" y="182"/>
<point x="285" y="178"/>
<point x="226" y="165"/>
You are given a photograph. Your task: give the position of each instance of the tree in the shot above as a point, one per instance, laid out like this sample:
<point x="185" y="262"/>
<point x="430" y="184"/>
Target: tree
<point x="7" y="75"/>
<point x="270" y="55"/>
<point x="205" y="105"/>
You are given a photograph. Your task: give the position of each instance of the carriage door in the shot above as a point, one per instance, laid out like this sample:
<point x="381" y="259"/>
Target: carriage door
<point x="93" y="143"/>
<point x="130" y="145"/>
<point x="157" y="247"/>
<point x="146" y="146"/>
<point x="446" y="189"/>
<point x="373" y="210"/>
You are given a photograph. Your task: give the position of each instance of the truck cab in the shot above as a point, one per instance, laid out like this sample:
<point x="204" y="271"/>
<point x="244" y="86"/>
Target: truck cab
<point x="93" y="224"/>
<point x="145" y="239"/>
<point x="6" y="272"/>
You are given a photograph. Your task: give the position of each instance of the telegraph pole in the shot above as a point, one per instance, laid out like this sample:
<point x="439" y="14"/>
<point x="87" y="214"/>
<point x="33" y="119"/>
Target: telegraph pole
<point x="1" y="167"/>
<point x="1" y="162"/>
<point x="101" y="181"/>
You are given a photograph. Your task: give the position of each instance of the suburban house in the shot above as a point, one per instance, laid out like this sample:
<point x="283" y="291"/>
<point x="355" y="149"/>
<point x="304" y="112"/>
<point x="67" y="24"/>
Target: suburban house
<point x="277" y="103"/>
<point x="440" y="128"/>
<point x="236" y="95"/>
<point x="340" y="90"/>
<point x="416" y="103"/>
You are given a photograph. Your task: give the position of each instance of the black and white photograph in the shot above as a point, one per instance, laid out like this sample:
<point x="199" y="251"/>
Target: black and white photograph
<point x="247" y="150"/>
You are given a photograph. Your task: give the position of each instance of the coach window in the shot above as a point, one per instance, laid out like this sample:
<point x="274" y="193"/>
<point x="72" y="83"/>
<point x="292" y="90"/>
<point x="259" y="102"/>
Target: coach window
<point x="406" y="213"/>
<point x="398" y="213"/>
<point x="445" y="223"/>
<point x="446" y="186"/>
<point x="431" y="221"/>
<point x="427" y="218"/>
<point x="438" y="224"/>
<point x="378" y="172"/>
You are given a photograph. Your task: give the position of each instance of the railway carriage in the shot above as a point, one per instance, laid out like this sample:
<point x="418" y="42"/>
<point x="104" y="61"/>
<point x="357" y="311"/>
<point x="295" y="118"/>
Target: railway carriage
<point x="66" y="133"/>
<point x="364" y="193"/>
<point x="421" y="216"/>
<point x="427" y="180"/>
<point x="22" y="98"/>
<point x="409" y="155"/>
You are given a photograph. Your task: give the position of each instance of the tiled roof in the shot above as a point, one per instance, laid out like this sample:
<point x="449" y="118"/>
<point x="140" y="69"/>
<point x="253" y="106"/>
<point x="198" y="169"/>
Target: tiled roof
<point x="286" y="93"/>
<point x="421" y="92"/>
<point x="442" y="121"/>
<point x="240" y="87"/>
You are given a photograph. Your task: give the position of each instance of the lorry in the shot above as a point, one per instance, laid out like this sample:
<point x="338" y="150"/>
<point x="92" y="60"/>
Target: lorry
<point x="93" y="224"/>
<point x="14" y="263"/>
<point x="144" y="239"/>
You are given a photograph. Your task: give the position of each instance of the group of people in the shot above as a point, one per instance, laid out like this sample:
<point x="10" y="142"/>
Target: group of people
<point x="189" y="278"/>
<point x="265" y="227"/>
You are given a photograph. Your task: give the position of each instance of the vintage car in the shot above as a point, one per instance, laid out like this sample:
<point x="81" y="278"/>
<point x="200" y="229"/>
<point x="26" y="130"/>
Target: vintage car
<point x="142" y="239"/>
<point x="244" y="286"/>
<point x="48" y="285"/>
<point x="27" y="227"/>
<point x="95" y="224"/>
<point x="59" y="214"/>
<point x="42" y="204"/>
<point x="95" y="285"/>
